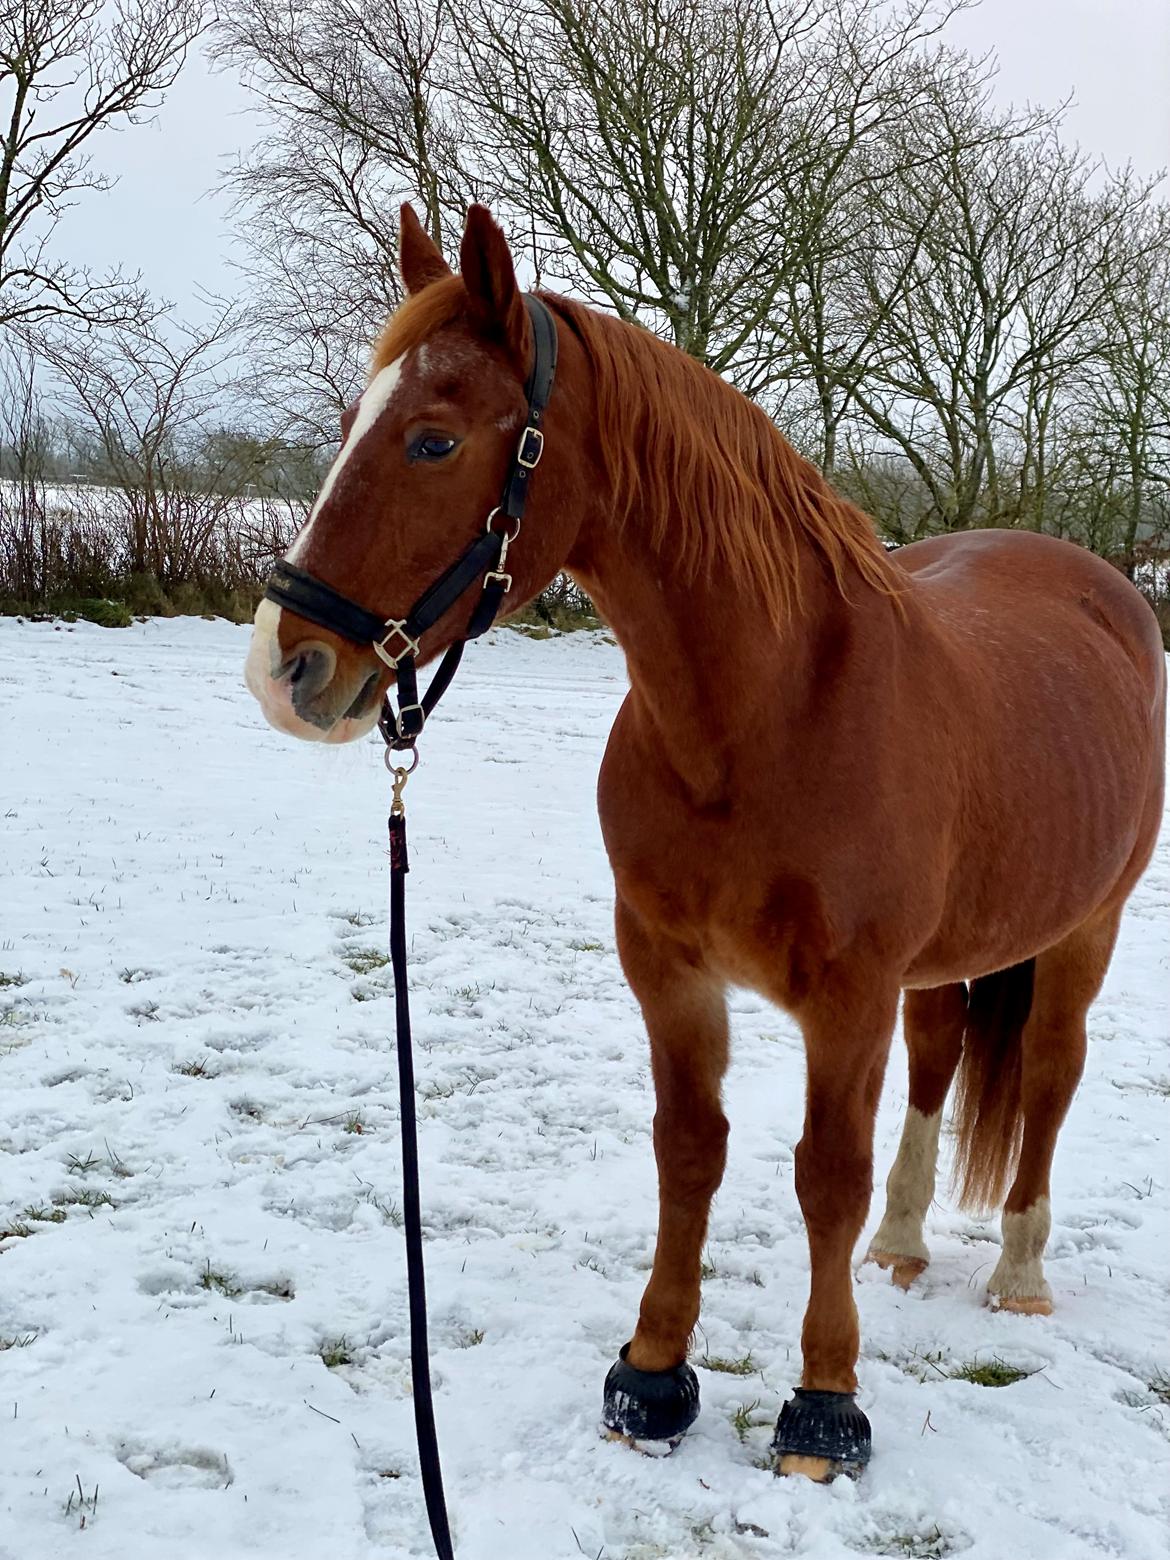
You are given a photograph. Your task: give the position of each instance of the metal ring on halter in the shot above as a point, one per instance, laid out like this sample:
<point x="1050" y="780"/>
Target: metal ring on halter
<point x="391" y="759"/>
<point x="516" y="518"/>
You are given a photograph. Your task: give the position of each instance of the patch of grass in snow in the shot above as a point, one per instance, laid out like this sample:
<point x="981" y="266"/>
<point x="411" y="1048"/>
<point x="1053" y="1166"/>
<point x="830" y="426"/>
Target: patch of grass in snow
<point x="41" y="1215"/>
<point x="587" y="947"/>
<point x="933" y="1545"/>
<point x="989" y="1373"/>
<point x="436" y="1091"/>
<point x="81" y="1166"/>
<point x="359" y="918"/>
<point x="17" y="1230"/>
<point x="932" y="1364"/>
<point x="83" y="1197"/>
<point x="335" y="1352"/>
<point x="707" y="1268"/>
<point x="1159" y="1385"/>
<point x="1160" y="1086"/>
<point x="131" y="976"/>
<point x="84" y="1505"/>
<point x="364" y="961"/>
<point x="217" y="1281"/>
<point x="470" y="994"/>
<point x="17" y="1341"/>
<point x="471" y="1339"/>
<point x="11" y="980"/>
<point x="922" y="1364"/>
<point x="746" y="1417"/>
<point x="278" y="1288"/>
<point x="194" y="1069"/>
<point x="113" y="1162"/>
<point x="390" y="1211"/>
<point x="740" y="1367"/>
<point x="220" y="1283"/>
<point x="17" y="1016"/>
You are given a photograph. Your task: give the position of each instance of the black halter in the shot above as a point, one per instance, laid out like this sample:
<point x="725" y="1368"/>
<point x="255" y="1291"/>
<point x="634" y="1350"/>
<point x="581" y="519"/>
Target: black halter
<point x="396" y="640"/>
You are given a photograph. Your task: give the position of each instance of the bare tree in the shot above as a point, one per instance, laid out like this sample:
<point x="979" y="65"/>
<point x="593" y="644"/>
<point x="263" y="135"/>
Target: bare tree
<point x="69" y="68"/>
<point x="149" y="399"/>
<point x="658" y="146"/>
<point x="952" y="312"/>
<point x="356" y="120"/>
<point x="991" y="270"/>
<point x="835" y="331"/>
<point x="25" y="453"/>
<point x="1123" y="409"/>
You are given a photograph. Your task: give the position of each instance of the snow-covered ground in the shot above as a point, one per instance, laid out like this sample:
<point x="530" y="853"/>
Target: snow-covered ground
<point x="202" y="1271"/>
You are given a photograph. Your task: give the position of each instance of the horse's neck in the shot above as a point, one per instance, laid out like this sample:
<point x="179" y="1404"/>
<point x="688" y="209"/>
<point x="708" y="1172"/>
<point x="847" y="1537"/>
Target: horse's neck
<point x="707" y="662"/>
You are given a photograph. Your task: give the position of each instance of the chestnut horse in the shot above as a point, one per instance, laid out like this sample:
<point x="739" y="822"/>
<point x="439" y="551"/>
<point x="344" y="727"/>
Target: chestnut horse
<point x="839" y="776"/>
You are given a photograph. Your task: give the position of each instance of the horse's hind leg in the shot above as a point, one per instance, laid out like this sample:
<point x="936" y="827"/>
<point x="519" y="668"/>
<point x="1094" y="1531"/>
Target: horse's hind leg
<point x="651" y="1394"/>
<point x="1067" y="979"/>
<point x="933" y="1022"/>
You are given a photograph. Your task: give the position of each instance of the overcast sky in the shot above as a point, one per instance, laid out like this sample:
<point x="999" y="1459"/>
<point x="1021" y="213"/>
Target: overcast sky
<point x="1112" y="56"/>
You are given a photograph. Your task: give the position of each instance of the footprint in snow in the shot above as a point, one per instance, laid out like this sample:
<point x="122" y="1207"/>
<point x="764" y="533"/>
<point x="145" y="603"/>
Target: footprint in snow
<point x="189" y="1468"/>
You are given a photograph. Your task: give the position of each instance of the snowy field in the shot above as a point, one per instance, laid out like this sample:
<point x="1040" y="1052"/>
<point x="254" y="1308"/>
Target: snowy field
<point x="202" y="1291"/>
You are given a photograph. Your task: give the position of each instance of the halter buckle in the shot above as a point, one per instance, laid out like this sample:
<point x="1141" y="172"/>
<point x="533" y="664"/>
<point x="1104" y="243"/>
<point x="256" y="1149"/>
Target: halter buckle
<point x="498" y="574"/>
<point x="530" y="448"/>
<point x="395" y="626"/>
<point x="401" y="717"/>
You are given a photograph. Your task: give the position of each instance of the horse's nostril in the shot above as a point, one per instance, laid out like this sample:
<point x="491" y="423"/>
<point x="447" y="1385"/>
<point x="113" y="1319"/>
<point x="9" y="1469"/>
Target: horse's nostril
<point x="307" y="671"/>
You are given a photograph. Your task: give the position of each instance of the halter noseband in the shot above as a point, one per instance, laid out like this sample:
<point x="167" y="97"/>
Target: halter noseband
<point x="396" y="640"/>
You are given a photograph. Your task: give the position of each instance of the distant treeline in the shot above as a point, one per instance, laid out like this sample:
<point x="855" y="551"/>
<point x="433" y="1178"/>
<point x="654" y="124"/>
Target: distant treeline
<point x="961" y="318"/>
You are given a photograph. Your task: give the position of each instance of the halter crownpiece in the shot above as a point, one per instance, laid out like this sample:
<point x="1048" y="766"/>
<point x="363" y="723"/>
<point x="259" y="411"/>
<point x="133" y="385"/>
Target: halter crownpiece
<point x="396" y="640"/>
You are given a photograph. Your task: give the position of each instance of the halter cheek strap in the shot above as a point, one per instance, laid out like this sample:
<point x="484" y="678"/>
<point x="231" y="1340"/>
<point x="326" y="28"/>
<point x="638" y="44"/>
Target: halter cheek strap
<point x="396" y="640"/>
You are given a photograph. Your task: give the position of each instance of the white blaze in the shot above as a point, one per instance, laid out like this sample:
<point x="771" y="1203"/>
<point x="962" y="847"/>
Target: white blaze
<point x="375" y="399"/>
<point x="264" y="649"/>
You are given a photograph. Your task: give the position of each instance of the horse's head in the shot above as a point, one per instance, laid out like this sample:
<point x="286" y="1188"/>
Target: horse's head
<point x="424" y="456"/>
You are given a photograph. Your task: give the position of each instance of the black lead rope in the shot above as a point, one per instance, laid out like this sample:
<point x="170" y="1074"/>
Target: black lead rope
<point x="396" y="640"/>
<point x="420" y="1369"/>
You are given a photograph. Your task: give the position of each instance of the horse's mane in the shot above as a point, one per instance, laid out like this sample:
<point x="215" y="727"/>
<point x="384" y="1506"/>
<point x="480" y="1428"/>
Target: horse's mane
<point x="708" y="470"/>
<point x="420" y="316"/>
<point x="712" y="474"/>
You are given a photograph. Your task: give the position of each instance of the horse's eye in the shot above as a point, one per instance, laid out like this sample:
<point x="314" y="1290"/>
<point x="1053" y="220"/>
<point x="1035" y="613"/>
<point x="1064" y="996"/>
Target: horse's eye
<point x="432" y="446"/>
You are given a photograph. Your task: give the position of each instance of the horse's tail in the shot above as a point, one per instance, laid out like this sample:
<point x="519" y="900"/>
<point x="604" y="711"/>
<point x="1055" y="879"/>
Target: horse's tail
<point x="988" y="1106"/>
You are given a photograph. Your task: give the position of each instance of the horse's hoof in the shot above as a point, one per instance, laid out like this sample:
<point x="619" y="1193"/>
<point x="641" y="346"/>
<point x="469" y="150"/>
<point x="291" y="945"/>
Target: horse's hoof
<point x="821" y="1435"/>
<point x="650" y="1410"/>
<point x="1021" y="1305"/>
<point x="819" y="1469"/>
<point x="903" y="1270"/>
<point x="643" y="1447"/>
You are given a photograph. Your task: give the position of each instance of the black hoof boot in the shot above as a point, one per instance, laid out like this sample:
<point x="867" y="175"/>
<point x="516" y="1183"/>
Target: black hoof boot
<point x="650" y="1409"/>
<point x="822" y="1434"/>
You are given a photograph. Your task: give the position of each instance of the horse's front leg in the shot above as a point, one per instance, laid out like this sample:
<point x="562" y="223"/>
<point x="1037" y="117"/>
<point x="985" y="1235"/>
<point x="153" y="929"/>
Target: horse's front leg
<point x="847" y="1031"/>
<point x="651" y="1394"/>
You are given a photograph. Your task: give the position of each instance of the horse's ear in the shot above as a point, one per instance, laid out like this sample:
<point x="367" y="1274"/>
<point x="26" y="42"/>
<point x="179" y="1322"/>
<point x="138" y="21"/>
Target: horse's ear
<point x="419" y="258"/>
<point x="486" y="264"/>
